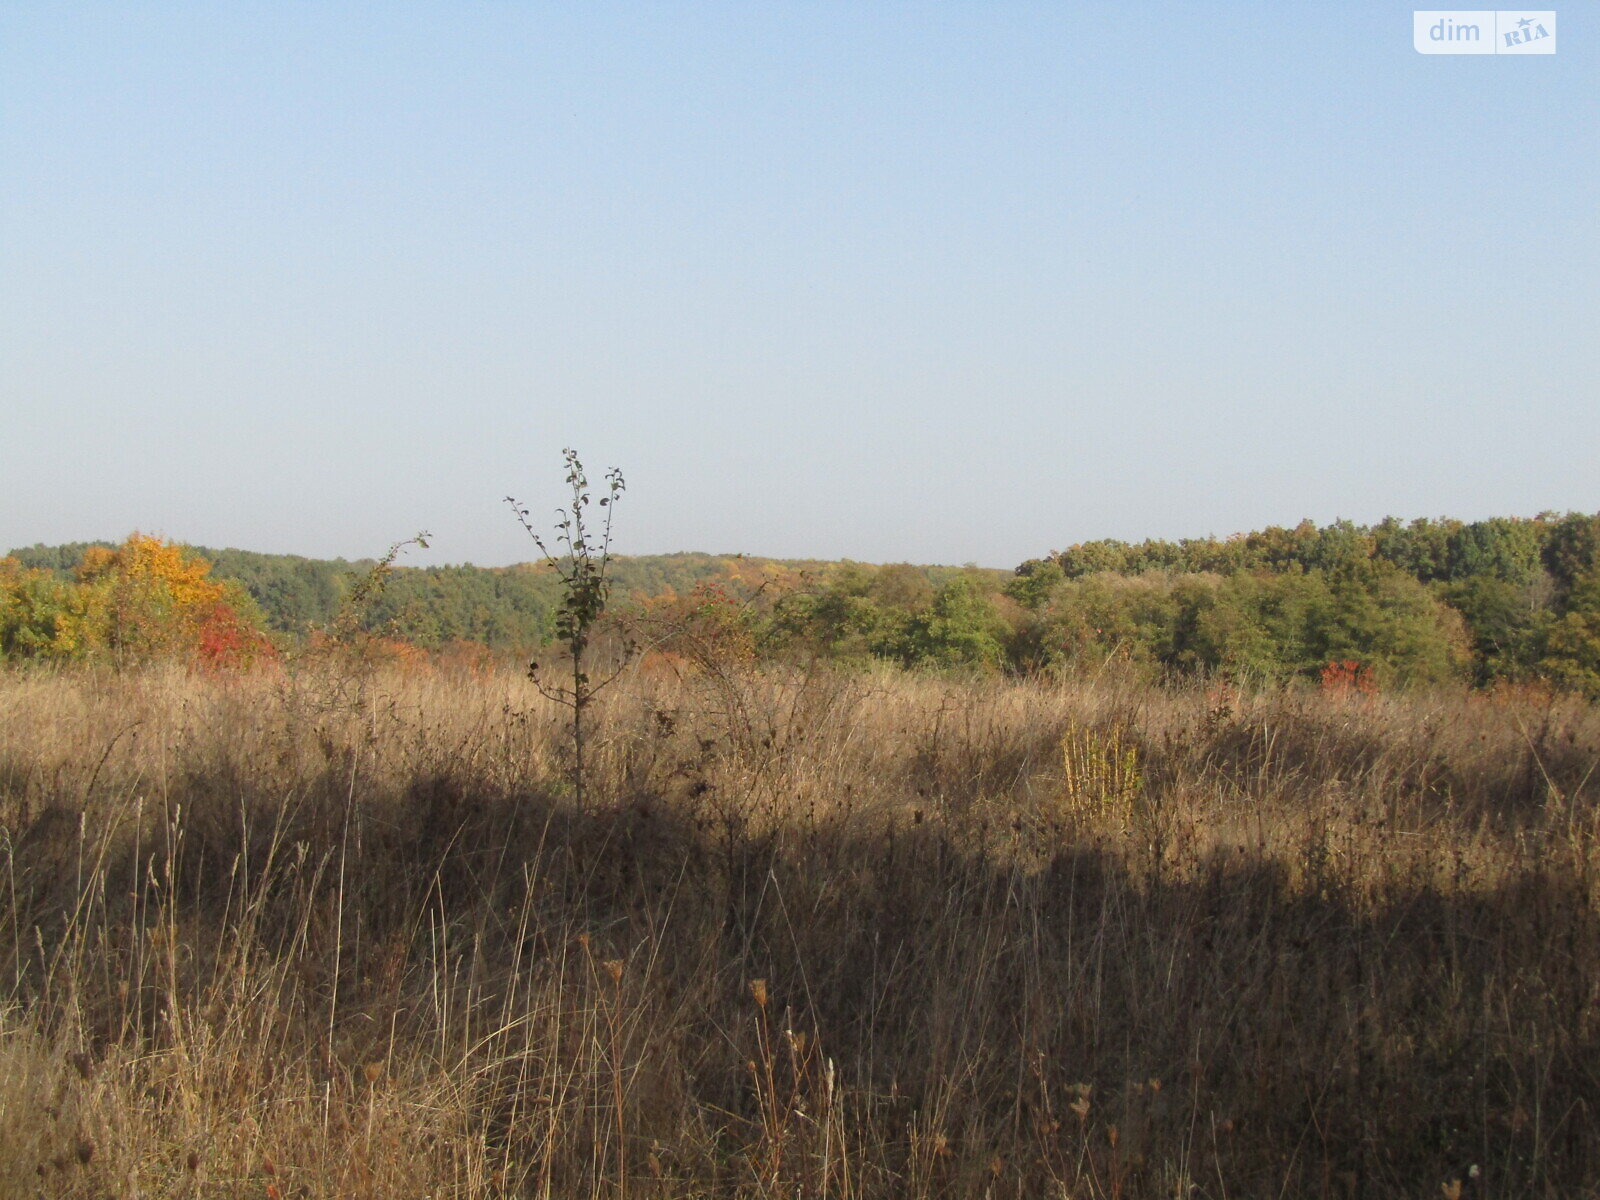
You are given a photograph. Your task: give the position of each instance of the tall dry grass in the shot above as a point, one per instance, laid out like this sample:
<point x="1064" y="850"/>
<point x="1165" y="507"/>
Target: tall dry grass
<point x="821" y="936"/>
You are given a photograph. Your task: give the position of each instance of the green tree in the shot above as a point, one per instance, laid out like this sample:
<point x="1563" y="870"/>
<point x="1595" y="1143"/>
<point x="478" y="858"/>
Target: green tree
<point x="1572" y="646"/>
<point x="1499" y="548"/>
<point x="832" y="622"/>
<point x="1091" y="558"/>
<point x="960" y="629"/>
<point x="1571" y="549"/>
<point x="1109" y="617"/>
<point x="1035" y="580"/>
<point x="1385" y="619"/>
<point x="1504" y="620"/>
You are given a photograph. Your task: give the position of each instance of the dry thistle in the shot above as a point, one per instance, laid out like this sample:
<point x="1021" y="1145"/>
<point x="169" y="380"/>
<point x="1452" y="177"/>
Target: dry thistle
<point x="372" y="1072"/>
<point x="1080" y="1105"/>
<point x="613" y="968"/>
<point x="758" y="992"/>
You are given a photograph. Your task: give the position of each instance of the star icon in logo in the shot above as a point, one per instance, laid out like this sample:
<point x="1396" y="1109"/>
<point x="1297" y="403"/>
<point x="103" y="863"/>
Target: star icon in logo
<point x="1525" y="22"/>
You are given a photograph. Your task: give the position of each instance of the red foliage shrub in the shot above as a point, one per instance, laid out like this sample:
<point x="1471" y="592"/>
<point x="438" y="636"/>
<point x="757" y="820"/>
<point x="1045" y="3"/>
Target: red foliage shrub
<point x="1348" y="677"/>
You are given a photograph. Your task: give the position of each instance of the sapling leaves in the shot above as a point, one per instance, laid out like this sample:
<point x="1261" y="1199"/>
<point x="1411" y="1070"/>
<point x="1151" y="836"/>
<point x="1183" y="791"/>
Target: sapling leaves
<point x="581" y="568"/>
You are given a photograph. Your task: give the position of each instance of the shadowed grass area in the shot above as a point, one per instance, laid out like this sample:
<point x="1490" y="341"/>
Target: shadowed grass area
<point x="814" y="935"/>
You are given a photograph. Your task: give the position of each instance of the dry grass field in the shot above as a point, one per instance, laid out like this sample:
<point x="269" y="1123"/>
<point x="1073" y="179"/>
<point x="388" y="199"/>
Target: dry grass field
<point x="816" y="935"/>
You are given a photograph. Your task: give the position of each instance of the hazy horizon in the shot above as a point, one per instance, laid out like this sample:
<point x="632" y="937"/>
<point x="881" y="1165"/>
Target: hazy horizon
<point x="409" y="555"/>
<point x="947" y="284"/>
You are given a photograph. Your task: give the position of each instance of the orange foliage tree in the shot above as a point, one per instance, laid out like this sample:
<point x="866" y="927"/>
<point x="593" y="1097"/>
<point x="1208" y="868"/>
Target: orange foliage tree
<point x="150" y="599"/>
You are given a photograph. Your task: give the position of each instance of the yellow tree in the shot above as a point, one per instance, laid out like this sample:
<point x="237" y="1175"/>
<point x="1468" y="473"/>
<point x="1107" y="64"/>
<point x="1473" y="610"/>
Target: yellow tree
<point x="150" y="598"/>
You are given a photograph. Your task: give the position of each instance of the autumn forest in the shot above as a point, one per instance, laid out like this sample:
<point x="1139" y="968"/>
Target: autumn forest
<point x="1429" y="601"/>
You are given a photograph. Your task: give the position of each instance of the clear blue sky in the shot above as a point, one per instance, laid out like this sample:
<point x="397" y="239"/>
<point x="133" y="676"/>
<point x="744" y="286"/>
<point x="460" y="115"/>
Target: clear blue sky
<point x="934" y="282"/>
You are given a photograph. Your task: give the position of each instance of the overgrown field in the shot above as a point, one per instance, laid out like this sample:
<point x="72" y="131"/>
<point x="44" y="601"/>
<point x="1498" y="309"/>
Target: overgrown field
<point x="817" y="935"/>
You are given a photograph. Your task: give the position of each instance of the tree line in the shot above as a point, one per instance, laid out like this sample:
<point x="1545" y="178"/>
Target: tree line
<point x="1394" y="603"/>
<point x="1504" y="598"/>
